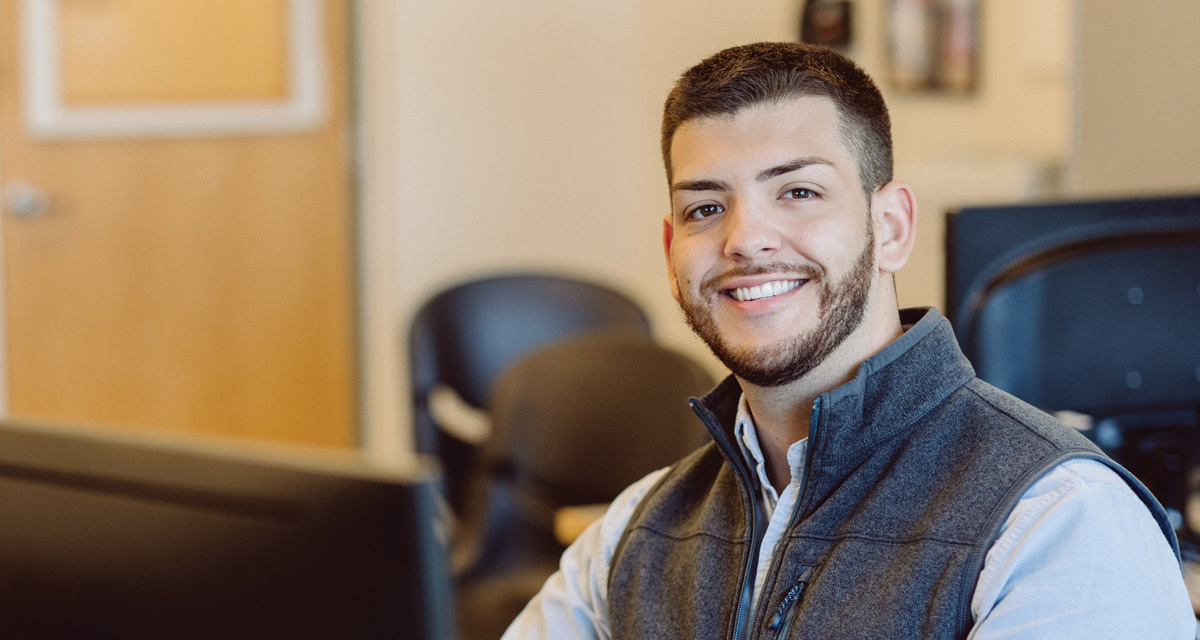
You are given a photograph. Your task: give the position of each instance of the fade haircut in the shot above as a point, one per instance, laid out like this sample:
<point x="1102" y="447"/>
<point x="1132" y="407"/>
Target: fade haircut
<point x="753" y="74"/>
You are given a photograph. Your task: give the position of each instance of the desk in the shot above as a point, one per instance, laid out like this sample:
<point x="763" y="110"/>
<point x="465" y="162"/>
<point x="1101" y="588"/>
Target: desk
<point x="569" y="522"/>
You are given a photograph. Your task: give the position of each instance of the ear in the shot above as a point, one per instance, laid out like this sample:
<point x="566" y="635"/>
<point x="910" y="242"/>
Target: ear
<point x="894" y="210"/>
<point x="668" y="235"/>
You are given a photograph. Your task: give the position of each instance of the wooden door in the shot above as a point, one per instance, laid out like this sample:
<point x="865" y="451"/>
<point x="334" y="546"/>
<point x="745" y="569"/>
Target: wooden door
<point x="200" y="283"/>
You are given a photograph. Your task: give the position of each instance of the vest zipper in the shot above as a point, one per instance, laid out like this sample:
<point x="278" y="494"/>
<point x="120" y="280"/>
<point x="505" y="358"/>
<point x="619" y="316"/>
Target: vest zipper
<point x="812" y="430"/>
<point x="791" y="602"/>
<point x="740" y="628"/>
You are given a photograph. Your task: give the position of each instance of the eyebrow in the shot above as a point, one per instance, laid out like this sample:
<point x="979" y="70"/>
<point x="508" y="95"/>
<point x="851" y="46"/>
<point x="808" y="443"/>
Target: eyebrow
<point x="763" y="176"/>
<point x="701" y="185"/>
<point x="788" y="167"/>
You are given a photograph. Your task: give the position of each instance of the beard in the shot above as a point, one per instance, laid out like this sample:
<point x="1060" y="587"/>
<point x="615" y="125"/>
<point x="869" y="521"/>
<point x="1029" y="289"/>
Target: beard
<point x="841" y="308"/>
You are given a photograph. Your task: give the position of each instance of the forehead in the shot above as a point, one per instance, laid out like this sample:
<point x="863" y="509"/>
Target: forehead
<point x="759" y="135"/>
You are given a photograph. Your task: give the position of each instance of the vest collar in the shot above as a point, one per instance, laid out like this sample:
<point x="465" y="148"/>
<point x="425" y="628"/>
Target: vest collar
<point x="889" y="392"/>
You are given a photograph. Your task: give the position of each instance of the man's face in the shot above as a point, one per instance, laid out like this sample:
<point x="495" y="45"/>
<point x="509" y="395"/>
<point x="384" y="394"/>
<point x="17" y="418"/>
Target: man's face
<point x="770" y="242"/>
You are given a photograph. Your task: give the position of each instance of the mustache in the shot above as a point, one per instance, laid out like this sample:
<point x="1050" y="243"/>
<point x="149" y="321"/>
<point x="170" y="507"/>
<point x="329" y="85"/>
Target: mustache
<point x="714" y="285"/>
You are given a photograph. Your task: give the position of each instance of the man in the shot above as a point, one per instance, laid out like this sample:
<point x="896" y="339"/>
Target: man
<point x="861" y="483"/>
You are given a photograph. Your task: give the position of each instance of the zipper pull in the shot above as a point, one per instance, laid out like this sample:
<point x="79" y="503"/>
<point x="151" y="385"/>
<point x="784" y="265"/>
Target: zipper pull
<point x="790" y="599"/>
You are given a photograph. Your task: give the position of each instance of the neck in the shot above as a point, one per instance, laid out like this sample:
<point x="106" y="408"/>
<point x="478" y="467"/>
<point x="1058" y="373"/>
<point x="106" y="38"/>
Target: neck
<point x="780" y="422"/>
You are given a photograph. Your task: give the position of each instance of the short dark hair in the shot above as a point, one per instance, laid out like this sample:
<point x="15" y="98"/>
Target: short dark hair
<point x="752" y="74"/>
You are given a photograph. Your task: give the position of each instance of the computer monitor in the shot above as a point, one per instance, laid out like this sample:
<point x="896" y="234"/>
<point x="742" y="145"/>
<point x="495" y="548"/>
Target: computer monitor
<point x="1091" y="307"/>
<point x="125" y="535"/>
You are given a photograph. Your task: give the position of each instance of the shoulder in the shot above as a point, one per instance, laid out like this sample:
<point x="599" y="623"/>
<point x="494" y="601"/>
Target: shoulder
<point x="590" y="556"/>
<point x="1004" y="431"/>
<point x="1082" y="474"/>
<point x="1081" y="526"/>
<point x="621" y="511"/>
<point x="1084" y="488"/>
<point x="573" y="603"/>
<point x="1001" y="407"/>
<point x="604" y="536"/>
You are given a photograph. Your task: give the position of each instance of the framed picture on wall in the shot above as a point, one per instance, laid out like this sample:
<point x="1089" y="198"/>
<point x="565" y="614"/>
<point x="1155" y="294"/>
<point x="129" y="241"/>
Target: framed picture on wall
<point x="827" y="22"/>
<point x="933" y="45"/>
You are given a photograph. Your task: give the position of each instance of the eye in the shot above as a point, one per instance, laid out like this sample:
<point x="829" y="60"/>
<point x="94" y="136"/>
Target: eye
<point x="703" y="211"/>
<point x="800" y="193"/>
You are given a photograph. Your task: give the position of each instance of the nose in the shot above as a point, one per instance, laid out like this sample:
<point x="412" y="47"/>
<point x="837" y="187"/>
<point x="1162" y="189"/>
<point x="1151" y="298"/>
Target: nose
<point x="749" y="235"/>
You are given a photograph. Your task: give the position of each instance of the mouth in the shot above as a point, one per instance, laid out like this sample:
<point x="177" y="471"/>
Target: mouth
<point x="763" y="291"/>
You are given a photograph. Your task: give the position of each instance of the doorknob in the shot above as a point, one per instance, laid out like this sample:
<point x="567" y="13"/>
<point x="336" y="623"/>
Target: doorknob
<point x="24" y="200"/>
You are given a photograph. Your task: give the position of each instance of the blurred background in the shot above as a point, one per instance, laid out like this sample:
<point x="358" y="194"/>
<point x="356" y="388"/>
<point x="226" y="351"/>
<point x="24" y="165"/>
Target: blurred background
<point x="222" y="215"/>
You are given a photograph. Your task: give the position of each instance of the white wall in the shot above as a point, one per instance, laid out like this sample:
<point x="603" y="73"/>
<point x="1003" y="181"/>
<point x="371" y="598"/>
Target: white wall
<point x="1138" y="111"/>
<point x="514" y="135"/>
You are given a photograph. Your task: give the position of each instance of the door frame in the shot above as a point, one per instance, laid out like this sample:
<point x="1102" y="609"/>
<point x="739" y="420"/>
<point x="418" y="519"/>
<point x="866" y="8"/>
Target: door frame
<point x="4" y="404"/>
<point x="384" y="429"/>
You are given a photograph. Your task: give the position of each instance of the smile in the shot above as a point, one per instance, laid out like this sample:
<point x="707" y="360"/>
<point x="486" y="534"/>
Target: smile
<point x="765" y="290"/>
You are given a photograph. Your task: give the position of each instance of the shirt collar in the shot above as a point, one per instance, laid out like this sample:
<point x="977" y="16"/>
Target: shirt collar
<point x="747" y="440"/>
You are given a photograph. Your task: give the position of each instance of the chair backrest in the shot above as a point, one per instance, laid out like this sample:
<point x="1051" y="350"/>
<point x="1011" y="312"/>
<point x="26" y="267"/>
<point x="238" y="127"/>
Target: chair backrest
<point x="578" y="421"/>
<point x="465" y="335"/>
<point x="1103" y="319"/>
<point x="575" y="422"/>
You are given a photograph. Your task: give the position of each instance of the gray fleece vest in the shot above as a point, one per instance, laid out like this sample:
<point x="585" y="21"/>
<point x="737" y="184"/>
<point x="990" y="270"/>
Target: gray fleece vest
<point x="912" y="468"/>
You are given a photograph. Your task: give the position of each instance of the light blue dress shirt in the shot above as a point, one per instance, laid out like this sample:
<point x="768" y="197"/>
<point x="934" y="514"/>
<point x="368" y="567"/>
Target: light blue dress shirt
<point x="1078" y="557"/>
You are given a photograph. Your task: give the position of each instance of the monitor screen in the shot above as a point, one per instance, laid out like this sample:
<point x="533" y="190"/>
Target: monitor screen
<point x="980" y="237"/>
<point x="124" y="535"/>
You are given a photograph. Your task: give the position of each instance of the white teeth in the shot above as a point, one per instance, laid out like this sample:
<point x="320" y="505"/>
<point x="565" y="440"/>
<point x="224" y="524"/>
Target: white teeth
<point x="767" y="290"/>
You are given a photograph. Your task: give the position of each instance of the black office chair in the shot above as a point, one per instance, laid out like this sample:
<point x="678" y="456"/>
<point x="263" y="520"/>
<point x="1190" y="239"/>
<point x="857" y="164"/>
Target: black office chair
<point x="574" y="423"/>
<point x="464" y="336"/>
<point x="1102" y="319"/>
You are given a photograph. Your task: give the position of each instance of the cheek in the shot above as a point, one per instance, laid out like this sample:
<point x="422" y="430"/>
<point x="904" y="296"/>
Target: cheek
<point x="693" y="261"/>
<point x="687" y="275"/>
<point x="690" y="255"/>
<point x="835" y="246"/>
